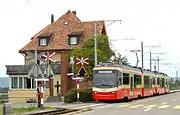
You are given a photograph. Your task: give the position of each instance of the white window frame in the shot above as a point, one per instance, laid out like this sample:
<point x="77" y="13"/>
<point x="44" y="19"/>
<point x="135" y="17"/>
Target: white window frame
<point x="73" y="40"/>
<point x="43" y="42"/>
<point x="17" y="77"/>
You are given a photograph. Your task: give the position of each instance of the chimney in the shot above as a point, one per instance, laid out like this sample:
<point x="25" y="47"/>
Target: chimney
<point x="52" y="18"/>
<point x="74" y="12"/>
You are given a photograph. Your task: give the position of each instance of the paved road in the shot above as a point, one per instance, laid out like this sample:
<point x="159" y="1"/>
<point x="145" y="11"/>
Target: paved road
<point x="168" y="104"/>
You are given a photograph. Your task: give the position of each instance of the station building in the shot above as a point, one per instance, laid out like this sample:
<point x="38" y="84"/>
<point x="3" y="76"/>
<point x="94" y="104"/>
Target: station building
<point x="58" y="38"/>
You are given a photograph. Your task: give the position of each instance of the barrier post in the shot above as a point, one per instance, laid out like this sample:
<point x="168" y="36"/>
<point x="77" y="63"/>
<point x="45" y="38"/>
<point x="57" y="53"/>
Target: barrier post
<point x="42" y="95"/>
<point x="78" y="91"/>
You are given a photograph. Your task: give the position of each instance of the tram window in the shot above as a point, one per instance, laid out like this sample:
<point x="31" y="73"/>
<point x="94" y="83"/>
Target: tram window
<point x="158" y="81"/>
<point x="151" y="81"/>
<point x="125" y="78"/>
<point x="167" y="81"/>
<point x="146" y="82"/>
<point x="137" y="79"/>
<point x="163" y="82"/>
<point x="154" y="81"/>
<point x="120" y="78"/>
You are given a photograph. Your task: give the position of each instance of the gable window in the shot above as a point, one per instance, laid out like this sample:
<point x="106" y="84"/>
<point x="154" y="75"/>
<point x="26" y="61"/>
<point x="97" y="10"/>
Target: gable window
<point x="73" y="40"/>
<point x="43" y="42"/>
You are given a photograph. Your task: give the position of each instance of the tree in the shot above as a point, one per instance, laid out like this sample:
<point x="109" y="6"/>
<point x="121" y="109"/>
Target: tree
<point x="120" y="60"/>
<point x="104" y="52"/>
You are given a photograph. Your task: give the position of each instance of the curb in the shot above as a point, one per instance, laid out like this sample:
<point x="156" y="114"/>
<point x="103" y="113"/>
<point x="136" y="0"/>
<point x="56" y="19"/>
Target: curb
<point x="174" y="91"/>
<point x="80" y="111"/>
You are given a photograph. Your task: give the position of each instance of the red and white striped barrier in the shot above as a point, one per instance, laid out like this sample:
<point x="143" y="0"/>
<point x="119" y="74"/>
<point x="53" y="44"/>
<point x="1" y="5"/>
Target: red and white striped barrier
<point x="42" y="95"/>
<point x="78" y="82"/>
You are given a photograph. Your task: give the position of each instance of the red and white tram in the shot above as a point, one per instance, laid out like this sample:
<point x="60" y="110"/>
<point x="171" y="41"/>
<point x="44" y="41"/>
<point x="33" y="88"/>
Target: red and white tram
<point x="115" y="82"/>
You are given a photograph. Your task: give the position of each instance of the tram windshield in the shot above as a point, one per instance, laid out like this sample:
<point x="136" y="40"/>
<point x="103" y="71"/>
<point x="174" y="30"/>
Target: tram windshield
<point x="105" y="78"/>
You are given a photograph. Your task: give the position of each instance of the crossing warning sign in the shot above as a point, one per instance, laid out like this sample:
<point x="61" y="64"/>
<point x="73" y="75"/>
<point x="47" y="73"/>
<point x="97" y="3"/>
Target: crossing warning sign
<point x="82" y="72"/>
<point x="82" y="61"/>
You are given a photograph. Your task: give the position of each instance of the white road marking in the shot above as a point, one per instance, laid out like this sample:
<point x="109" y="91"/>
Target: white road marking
<point x="164" y="103"/>
<point x="173" y="99"/>
<point x="122" y="106"/>
<point x="147" y="109"/>
<point x="136" y="106"/>
<point x="149" y="106"/>
<point x="176" y="107"/>
<point x="88" y="106"/>
<point x="104" y="106"/>
<point x="163" y="106"/>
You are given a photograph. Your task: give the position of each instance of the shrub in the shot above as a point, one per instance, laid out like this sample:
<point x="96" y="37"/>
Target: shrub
<point x="85" y="95"/>
<point x="70" y="96"/>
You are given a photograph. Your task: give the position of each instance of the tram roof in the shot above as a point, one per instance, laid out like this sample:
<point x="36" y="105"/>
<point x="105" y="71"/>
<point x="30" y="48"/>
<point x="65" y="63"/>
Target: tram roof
<point x="133" y="68"/>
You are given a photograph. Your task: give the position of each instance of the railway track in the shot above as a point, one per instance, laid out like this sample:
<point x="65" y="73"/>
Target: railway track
<point x="58" y="111"/>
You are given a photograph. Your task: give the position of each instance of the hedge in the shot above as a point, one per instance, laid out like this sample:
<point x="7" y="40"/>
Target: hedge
<point x="85" y="95"/>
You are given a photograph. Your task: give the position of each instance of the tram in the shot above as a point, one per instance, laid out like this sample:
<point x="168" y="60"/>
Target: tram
<point x="115" y="82"/>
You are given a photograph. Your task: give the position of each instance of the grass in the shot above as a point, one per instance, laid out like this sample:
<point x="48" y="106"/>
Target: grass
<point x="86" y="110"/>
<point x="76" y="102"/>
<point x="30" y="109"/>
<point x="3" y="98"/>
<point x="24" y="110"/>
<point x="3" y="101"/>
<point x="1" y="111"/>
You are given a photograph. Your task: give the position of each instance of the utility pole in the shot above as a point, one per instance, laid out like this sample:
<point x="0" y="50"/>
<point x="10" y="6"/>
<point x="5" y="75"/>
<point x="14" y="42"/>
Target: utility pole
<point x="150" y="62"/>
<point x="158" y="62"/>
<point x="176" y="75"/>
<point x="142" y="55"/>
<point x="95" y="40"/>
<point x="156" y="59"/>
<point x="95" y="45"/>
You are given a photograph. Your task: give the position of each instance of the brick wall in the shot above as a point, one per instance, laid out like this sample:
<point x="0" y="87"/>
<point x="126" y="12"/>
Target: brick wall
<point x="65" y="80"/>
<point x="82" y="84"/>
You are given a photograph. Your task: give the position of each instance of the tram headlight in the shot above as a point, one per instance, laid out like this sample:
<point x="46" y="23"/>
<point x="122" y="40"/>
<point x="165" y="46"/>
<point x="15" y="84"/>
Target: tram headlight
<point x="113" y="92"/>
<point x="95" y="92"/>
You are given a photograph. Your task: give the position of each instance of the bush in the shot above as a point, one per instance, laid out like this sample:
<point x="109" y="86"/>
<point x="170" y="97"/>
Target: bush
<point x="70" y="96"/>
<point x="85" y="95"/>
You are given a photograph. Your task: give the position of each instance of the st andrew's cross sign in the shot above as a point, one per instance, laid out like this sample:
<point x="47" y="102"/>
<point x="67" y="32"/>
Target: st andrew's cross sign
<point x="82" y="71"/>
<point x="50" y="57"/>
<point x="82" y="61"/>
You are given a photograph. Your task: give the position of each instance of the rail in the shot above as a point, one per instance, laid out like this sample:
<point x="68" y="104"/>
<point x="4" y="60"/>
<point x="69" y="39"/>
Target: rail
<point x="54" y="112"/>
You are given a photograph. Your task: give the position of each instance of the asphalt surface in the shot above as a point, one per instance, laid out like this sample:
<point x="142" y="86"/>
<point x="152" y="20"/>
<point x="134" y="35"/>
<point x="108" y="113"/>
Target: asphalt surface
<point x="168" y="104"/>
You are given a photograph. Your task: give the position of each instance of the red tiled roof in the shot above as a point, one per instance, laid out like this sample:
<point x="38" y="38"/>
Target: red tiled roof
<point x="59" y="33"/>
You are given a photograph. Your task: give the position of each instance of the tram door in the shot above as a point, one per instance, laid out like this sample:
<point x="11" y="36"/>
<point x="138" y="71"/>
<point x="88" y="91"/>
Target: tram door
<point x="131" y="85"/>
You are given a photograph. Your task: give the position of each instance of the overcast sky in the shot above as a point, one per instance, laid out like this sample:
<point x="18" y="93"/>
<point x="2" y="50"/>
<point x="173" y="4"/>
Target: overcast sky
<point x="152" y="21"/>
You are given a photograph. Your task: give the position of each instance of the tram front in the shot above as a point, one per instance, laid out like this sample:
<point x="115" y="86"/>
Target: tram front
<point x="106" y="83"/>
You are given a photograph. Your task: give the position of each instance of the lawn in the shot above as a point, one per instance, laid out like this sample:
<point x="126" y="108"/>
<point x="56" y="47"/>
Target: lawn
<point x="30" y="109"/>
<point x="1" y="110"/>
<point x="24" y="110"/>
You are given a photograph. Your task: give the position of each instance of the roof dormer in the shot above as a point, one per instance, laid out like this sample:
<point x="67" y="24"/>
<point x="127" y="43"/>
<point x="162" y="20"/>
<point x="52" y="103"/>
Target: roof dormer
<point x="74" y="38"/>
<point x="43" y="39"/>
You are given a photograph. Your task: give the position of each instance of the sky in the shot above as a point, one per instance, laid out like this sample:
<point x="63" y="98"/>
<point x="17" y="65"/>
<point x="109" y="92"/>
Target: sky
<point x="155" y="22"/>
